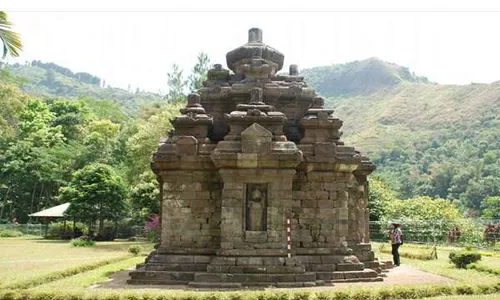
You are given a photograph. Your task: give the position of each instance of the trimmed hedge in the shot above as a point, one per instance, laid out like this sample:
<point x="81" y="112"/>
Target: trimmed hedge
<point x="392" y="292"/>
<point x="484" y="269"/>
<point x="62" y="274"/>
<point x="83" y="241"/>
<point x="135" y="249"/>
<point x="461" y="259"/>
<point x="10" y="233"/>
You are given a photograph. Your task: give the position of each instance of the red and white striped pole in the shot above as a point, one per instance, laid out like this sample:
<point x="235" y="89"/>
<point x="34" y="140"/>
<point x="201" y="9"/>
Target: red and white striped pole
<point x="289" y="237"/>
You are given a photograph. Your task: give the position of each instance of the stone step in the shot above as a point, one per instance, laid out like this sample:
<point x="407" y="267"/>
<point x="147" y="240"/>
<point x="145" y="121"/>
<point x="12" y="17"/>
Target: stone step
<point x="350" y="267"/>
<point x="162" y="275"/>
<point x="372" y="264"/>
<point x="295" y="284"/>
<point x="237" y="285"/>
<point x="377" y="279"/>
<point x="343" y="275"/>
<point x="311" y="267"/>
<point x="180" y="259"/>
<point x="156" y="282"/>
<point x="250" y="278"/>
<point x="176" y="267"/>
<point x="256" y="269"/>
<point x="321" y="267"/>
<point x="215" y="285"/>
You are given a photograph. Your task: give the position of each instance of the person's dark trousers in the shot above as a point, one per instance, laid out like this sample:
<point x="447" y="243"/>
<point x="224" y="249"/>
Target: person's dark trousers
<point x="395" y="254"/>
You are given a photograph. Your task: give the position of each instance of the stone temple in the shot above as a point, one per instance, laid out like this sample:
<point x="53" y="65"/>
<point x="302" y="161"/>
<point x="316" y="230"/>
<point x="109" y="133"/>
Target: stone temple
<point x="251" y="150"/>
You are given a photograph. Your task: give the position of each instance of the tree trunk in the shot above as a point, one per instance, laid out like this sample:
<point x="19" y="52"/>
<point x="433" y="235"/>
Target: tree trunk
<point x="91" y="232"/>
<point x="39" y="198"/>
<point x="101" y="228"/>
<point x="47" y="222"/>
<point x="101" y="222"/>
<point x="4" y="202"/>
<point x="32" y="200"/>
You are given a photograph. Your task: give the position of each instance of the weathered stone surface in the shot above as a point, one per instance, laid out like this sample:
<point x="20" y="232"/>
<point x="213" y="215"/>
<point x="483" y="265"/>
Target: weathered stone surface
<point x="257" y="187"/>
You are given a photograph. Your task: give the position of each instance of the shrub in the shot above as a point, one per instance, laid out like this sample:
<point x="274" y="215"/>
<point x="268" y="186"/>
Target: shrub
<point x="10" y="233"/>
<point x="323" y="296"/>
<point x="275" y="295"/>
<point x="83" y="241"/>
<point x="385" y="294"/>
<point x="464" y="290"/>
<point x="135" y="249"/>
<point x="361" y="295"/>
<point x="65" y="231"/>
<point x="341" y="296"/>
<point x="301" y="295"/>
<point x="235" y="296"/>
<point x="406" y="293"/>
<point x="152" y="228"/>
<point x="463" y="258"/>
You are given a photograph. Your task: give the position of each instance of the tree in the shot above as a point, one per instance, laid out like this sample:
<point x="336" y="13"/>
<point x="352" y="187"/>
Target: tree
<point x="176" y="85"/>
<point x="50" y="77"/>
<point x="144" y="197"/>
<point x="96" y="192"/>
<point x="379" y="198"/>
<point x="144" y="142"/>
<point x="71" y="115"/>
<point x="29" y="168"/>
<point x="477" y="191"/>
<point x="425" y="218"/>
<point x="12" y="102"/>
<point x="100" y="143"/>
<point x="491" y="207"/>
<point x="11" y="40"/>
<point x="199" y="72"/>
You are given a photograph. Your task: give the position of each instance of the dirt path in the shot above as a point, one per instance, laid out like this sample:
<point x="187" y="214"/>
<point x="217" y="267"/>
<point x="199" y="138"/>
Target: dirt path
<point x="401" y="275"/>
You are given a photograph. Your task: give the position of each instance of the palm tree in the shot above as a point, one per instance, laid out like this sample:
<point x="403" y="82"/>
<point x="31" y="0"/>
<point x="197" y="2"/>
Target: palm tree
<point x="11" y="40"/>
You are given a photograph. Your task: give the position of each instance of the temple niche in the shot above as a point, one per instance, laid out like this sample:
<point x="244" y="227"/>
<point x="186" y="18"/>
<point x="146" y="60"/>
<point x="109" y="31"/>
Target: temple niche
<point x="256" y="207"/>
<point x="251" y="149"/>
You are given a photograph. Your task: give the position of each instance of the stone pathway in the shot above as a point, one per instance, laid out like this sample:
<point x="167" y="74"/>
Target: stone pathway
<point x="403" y="274"/>
<point x="400" y="275"/>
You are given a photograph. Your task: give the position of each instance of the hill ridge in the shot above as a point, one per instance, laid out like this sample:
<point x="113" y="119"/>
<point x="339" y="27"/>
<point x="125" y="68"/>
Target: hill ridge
<point x="358" y="77"/>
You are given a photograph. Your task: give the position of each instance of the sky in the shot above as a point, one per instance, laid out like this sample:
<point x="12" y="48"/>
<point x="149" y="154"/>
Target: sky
<point x="136" y="42"/>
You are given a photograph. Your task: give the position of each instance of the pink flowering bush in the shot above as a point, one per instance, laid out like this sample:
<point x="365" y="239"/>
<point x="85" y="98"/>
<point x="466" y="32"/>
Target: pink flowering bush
<point x="152" y="228"/>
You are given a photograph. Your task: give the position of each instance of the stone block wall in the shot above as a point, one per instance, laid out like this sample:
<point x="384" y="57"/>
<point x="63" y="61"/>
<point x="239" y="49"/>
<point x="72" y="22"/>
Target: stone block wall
<point x="191" y="209"/>
<point x="320" y="209"/>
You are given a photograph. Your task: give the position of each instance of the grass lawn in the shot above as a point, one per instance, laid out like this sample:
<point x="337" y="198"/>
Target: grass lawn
<point x="443" y="267"/>
<point x="84" y="280"/>
<point x="24" y="259"/>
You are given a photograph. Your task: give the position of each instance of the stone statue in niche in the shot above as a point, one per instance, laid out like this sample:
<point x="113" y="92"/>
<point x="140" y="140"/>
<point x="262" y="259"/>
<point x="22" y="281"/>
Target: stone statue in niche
<point x="256" y="207"/>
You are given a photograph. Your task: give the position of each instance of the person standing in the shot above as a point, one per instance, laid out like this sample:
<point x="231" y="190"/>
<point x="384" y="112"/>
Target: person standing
<point x="396" y="235"/>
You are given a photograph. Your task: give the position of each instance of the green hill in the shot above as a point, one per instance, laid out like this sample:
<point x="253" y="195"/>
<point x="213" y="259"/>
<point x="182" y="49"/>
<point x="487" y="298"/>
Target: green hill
<point x="358" y="77"/>
<point x="49" y="79"/>
<point x="426" y="138"/>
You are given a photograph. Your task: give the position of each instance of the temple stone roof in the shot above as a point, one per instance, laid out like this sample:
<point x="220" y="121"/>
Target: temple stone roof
<point x="255" y="54"/>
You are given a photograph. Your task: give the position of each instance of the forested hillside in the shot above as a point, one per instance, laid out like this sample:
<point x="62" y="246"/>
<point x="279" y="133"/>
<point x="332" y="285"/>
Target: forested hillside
<point x="49" y="79"/>
<point x="426" y="138"/>
<point x="64" y="138"/>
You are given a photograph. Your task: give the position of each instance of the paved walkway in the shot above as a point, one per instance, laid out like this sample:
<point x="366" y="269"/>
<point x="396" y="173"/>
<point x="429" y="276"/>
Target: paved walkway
<point x="400" y="275"/>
